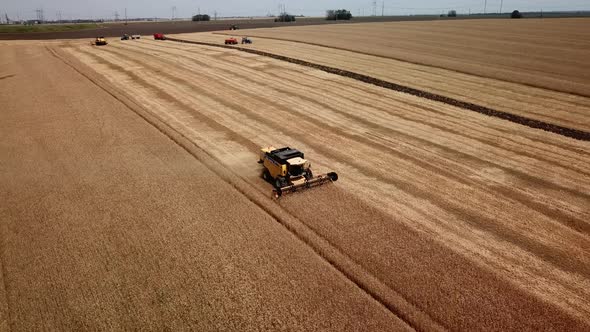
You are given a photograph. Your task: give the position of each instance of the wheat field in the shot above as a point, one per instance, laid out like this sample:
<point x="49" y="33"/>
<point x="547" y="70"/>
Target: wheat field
<point x="442" y="219"/>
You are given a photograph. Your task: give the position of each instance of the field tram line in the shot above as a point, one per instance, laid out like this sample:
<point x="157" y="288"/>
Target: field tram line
<point x="518" y="119"/>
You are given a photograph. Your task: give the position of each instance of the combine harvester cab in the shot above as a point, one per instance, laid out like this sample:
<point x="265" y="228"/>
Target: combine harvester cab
<point x="289" y="172"/>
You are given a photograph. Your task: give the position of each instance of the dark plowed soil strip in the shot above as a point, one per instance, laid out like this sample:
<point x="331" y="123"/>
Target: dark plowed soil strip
<point x="563" y="131"/>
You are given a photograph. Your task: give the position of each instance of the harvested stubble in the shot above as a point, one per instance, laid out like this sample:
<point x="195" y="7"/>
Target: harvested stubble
<point x="471" y="220"/>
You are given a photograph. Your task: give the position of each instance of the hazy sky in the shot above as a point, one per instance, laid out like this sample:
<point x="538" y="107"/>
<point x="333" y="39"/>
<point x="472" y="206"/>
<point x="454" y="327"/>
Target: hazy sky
<point x="185" y="8"/>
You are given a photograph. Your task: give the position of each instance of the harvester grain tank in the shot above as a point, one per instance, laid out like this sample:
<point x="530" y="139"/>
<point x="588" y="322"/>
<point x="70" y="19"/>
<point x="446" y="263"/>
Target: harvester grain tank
<point x="289" y="172"/>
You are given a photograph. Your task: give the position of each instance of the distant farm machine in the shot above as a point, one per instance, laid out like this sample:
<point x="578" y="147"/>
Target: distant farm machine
<point x="159" y="36"/>
<point x="289" y="172"/>
<point x="100" y="41"/>
<point x="231" y="41"/>
<point x="130" y="37"/>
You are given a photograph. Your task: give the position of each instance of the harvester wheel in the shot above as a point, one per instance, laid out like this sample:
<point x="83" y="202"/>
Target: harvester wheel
<point x="333" y="176"/>
<point x="266" y="175"/>
<point x="308" y="175"/>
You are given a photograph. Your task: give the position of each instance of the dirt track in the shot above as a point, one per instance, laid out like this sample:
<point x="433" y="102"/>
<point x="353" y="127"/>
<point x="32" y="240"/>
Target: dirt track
<point x="442" y="218"/>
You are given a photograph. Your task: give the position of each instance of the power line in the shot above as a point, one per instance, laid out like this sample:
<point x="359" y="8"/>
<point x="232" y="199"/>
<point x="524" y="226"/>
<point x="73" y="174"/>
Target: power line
<point x="40" y="15"/>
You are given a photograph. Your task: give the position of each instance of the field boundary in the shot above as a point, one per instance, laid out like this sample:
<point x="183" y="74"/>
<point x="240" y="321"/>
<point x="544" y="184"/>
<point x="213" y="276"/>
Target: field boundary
<point x="389" y="298"/>
<point x="531" y="123"/>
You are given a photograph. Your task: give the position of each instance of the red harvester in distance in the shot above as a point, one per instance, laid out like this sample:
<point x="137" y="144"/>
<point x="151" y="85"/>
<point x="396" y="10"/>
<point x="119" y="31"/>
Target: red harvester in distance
<point x="231" y="41"/>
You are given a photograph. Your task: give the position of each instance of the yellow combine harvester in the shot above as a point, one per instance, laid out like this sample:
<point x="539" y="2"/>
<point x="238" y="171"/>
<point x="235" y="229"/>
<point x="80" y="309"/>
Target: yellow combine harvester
<point x="100" y="41"/>
<point x="288" y="171"/>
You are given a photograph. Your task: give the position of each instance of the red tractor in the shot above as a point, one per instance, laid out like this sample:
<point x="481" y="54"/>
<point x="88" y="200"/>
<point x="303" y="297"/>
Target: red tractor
<point x="231" y="41"/>
<point x="159" y="36"/>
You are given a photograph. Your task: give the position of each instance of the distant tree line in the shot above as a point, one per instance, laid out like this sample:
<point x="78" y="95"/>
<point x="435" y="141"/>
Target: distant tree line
<point x="338" y="14"/>
<point x="453" y="13"/>
<point x="201" y="17"/>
